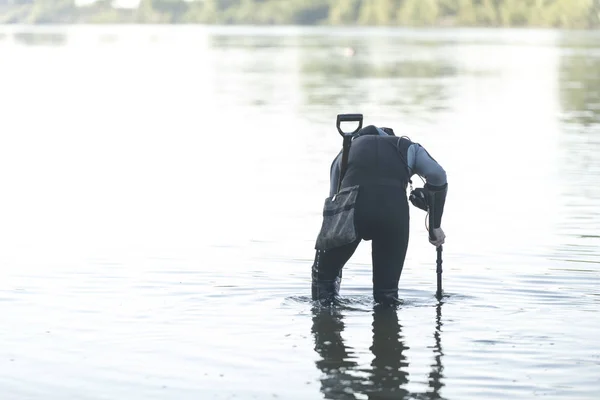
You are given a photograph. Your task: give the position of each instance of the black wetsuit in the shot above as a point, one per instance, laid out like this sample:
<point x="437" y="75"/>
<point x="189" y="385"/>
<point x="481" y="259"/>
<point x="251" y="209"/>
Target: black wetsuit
<point x="381" y="165"/>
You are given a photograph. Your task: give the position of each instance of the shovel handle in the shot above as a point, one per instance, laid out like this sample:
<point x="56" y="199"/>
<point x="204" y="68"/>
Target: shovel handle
<point x="349" y="118"/>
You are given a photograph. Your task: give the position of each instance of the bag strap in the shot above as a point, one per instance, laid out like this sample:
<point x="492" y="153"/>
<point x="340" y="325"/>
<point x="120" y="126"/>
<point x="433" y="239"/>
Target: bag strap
<point x="345" y="152"/>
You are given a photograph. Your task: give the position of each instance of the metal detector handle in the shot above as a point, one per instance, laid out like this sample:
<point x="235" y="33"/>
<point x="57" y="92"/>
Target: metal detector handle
<point x="349" y="118"/>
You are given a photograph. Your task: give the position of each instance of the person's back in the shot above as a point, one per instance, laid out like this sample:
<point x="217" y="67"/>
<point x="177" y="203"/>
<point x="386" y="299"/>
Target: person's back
<point x="374" y="160"/>
<point x="381" y="165"/>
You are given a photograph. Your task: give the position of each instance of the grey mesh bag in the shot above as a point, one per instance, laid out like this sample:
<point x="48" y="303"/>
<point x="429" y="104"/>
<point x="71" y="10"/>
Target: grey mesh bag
<point x="338" y="228"/>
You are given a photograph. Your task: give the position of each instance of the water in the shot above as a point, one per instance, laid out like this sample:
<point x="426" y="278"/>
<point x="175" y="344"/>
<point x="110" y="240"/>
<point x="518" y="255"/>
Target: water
<point x="162" y="190"/>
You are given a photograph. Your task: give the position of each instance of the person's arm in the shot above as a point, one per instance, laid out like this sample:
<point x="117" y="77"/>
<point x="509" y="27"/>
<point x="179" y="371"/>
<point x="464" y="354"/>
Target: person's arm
<point x="421" y="163"/>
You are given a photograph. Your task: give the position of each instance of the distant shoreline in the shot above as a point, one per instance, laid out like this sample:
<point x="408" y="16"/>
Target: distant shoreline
<point x="429" y="14"/>
<point x="42" y="26"/>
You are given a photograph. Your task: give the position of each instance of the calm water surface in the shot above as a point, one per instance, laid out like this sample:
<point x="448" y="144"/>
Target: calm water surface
<point x="162" y="191"/>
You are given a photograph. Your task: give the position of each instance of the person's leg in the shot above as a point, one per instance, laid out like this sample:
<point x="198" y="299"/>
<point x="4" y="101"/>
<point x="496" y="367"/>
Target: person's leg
<point x="327" y="271"/>
<point x="389" y="252"/>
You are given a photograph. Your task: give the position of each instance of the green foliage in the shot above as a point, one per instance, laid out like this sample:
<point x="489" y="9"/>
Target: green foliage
<point x="174" y="9"/>
<point x="486" y="13"/>
<point x="343" y="12"/>
<point x="377" y="12"/>
<point x="509" y="13"/>
<point x="13" y="15"/>
<point x="49" y="11"/>
<point x="418" y="12"/>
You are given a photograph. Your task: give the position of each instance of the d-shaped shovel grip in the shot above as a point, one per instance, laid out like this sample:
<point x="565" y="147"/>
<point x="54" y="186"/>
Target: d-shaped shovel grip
<point x="349" y="118"/>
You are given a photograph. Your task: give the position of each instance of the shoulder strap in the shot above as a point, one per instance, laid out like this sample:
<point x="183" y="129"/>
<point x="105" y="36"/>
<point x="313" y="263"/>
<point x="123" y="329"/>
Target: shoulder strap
<point x="403" y="145"/>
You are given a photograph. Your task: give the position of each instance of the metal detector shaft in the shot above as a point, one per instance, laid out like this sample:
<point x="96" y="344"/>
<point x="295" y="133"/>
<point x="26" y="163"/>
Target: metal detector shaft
<point x="438" y="270"/>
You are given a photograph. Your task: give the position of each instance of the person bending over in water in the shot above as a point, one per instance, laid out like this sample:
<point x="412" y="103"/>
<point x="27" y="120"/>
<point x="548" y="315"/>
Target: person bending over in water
<point x="382" y="165"/>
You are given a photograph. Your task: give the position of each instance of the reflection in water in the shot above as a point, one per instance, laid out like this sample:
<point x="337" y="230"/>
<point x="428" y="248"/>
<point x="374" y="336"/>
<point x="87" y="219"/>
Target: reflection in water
<point x="257" y="70"/>
<point x="253" y="42"/>
<point x="389" y="364"/>
<point x="387" y="375"/>
<point x="335" y="363"/>
<point x="580" y="87"/>
<point x="436" y="375"/>
<point x="40" y="38"/>
<point x="579" y="83"/>
<point x="400" y="75"/>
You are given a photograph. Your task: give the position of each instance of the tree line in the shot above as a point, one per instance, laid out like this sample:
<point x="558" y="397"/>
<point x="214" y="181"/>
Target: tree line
<point x="569" y="14"/>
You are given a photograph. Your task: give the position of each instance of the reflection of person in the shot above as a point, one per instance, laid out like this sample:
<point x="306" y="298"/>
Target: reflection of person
<point x="388" y="375"/>
<point x="344" y="378"/>
<point x="335" y="358"/>
<point x="381" y="165"/>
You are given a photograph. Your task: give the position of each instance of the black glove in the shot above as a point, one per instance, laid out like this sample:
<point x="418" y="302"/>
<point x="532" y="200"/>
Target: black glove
<point x="418" y="198"/>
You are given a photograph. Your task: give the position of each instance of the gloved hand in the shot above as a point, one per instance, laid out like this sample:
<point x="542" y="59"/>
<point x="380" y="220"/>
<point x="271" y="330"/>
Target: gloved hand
<point x="418" y="198"/>
<point x="439" y="236"/>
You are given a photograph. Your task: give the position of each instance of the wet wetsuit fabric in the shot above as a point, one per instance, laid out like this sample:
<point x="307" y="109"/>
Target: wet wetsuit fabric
<point x="382" y="165"/>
